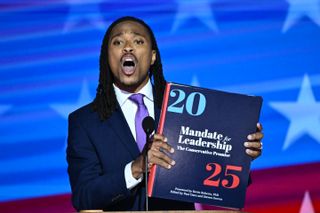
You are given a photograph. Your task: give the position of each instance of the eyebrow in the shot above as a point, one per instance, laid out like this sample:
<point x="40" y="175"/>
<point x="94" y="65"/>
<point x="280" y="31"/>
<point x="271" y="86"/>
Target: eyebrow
<point x="121" y="33"/>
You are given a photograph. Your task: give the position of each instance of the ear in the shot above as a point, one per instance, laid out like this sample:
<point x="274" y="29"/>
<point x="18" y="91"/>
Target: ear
<point x="153" y="57"/>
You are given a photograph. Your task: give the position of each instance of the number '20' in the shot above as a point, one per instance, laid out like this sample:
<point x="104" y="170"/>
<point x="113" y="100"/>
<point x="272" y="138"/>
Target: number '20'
<point x="189" y="102"/>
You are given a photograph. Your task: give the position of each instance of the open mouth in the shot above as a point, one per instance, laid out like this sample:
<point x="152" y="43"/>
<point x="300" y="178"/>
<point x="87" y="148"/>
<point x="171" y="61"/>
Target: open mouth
<point x="128" y="64"/>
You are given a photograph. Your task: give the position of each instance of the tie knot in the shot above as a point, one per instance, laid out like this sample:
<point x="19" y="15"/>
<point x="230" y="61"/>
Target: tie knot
<point x="137" y="98"/>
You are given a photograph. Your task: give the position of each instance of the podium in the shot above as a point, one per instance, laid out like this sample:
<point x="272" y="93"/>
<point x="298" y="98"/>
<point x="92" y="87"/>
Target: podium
<point x="182" y="211"/>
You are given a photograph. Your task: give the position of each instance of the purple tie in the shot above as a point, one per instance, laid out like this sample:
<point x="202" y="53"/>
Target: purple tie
<point x="142" y="112"/>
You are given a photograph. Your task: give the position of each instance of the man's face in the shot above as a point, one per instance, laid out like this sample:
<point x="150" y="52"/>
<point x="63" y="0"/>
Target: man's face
<point x="130" y="55"/>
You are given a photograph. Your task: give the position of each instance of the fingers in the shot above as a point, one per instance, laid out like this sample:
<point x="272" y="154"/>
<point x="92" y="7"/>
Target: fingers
<point x="253" y="153"/>
<point x="254" y="148"/>
<point x="253" y="145"/>
<point x="257" y="136"/>
<point x="157" y="153"/>
<point x="159" y="137"/>
<point x="159" y="143"/>
<point x="259" y="127"/>
<point x="161" y="159"/>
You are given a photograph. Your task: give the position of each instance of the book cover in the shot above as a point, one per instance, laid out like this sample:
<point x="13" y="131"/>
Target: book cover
<point x="207" y="129"/>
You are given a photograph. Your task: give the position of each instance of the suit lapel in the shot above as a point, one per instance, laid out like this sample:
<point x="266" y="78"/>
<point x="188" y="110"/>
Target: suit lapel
<point x="119" y="125"/>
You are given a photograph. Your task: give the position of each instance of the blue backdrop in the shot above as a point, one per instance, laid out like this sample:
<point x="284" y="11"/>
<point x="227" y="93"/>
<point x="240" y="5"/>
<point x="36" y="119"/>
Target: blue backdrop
<point x="49" y="54"/>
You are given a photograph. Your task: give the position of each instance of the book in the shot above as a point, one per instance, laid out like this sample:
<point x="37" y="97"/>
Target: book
<point x="207" y="128"/>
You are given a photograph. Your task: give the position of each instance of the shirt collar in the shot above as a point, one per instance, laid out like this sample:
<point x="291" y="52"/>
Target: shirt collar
<point x="122" y="95"/>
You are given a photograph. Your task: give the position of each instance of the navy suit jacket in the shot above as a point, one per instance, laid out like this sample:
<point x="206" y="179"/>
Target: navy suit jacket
<point x="97" y="154"/>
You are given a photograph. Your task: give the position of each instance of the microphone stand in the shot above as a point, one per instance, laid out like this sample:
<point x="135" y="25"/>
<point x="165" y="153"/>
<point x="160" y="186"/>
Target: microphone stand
<point x="148" y="127"/>
<point x="146" y="170"/>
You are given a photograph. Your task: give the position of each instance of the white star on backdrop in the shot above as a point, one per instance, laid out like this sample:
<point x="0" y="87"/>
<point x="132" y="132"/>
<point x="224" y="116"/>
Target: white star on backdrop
<point x="194" y="9"/>
<point x="300" y="8"/>
<point x="65" y="109"/>
<point x="306" y="206"/>
<point x="4" y="108"/>
<point x="84" y="10"/>
<point x="304" y="115"/>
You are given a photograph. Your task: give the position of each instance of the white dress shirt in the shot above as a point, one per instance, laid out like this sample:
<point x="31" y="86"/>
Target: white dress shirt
<point x="129" y="109"/>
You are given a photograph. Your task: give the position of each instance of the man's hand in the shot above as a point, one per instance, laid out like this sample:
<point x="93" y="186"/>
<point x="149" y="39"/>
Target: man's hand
<point x="156" y="152"/>
<point x="254" y="144"/>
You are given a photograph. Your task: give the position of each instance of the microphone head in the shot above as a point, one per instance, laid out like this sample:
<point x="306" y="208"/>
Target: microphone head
<point x="148" y="125"/>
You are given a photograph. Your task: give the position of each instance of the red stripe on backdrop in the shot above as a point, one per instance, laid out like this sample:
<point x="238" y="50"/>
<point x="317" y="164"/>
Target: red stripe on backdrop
<point x="282" y="189"/>
<point x="50" y="204"/>
<point x="273" y="190"/>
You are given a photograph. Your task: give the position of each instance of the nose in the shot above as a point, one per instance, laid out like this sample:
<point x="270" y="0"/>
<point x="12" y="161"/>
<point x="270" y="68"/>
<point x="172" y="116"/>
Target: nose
<point x="128" y="48"/>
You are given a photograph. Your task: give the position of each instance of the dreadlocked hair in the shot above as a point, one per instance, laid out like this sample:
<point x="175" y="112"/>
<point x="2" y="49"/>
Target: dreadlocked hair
<point x="105" y="102"/>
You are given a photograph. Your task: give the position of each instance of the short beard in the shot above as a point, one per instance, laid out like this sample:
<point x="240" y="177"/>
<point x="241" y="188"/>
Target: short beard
<point x="132" y="87"/>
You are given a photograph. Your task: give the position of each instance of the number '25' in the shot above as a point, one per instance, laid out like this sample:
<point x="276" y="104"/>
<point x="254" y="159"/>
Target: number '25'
<point x="228" y="172"/>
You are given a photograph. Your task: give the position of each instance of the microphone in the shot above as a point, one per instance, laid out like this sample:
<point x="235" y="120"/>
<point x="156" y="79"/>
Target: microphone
<point x="148" y="127"/>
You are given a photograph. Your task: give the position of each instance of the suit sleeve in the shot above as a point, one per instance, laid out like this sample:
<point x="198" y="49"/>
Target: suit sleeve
<point x="91" y="187"/>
